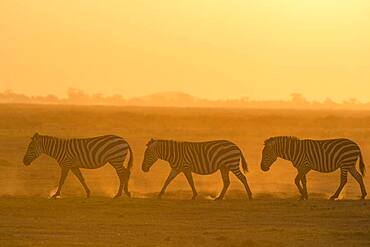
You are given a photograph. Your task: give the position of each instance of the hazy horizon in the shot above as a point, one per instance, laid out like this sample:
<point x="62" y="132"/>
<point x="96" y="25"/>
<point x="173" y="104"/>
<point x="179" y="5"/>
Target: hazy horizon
<point x="180" y="99"/>
<point x="73" y="90"/>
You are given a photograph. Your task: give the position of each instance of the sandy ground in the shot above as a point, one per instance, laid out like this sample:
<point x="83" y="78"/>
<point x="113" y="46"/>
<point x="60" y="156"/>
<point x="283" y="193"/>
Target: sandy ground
<point x="147" y="222"/>
<point x="274" y="218"/>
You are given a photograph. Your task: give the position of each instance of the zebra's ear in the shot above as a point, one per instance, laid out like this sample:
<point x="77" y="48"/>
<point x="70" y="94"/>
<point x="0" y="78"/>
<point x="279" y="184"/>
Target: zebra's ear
<point x="268" y="142"/>
<point x="151" y="141"/>
<point x="35" y="136"/>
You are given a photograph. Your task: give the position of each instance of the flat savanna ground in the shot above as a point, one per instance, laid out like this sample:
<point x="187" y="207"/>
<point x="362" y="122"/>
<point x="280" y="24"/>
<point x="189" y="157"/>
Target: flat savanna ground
<point x="148" y="222"/>
<point x="274" y="218"/>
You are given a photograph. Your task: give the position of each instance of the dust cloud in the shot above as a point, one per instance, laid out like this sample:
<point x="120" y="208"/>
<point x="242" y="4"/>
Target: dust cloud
<point x="247" y="128"/>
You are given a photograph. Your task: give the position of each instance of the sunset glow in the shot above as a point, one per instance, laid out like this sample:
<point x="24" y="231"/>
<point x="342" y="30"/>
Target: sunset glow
<point x="211" y="49"/>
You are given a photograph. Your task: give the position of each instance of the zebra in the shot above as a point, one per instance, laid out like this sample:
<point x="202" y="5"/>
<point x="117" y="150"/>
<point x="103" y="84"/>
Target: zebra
<point x="197" y="157"/>
<point x="89" y="153"/>
<point x="318" y="155"/>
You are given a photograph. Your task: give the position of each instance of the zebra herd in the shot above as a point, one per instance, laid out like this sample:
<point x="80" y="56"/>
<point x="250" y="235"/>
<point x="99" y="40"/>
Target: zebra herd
<point x="200" y="158"/>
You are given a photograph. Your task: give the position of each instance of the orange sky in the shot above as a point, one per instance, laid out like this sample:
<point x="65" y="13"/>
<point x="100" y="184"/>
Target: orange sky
<point x="213" y="49"/>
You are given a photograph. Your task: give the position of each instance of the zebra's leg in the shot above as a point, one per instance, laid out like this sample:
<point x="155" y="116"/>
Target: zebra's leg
<point x="226" y="180"/>
<point x="243" y="179"/>
<point x="76" y="171"/>
<point x="189" y="177"/>
<point x="343" y="181"/>
<point x="170" y="177"/>
<point x="120" y="170"/>
<point x="302" y="173"/>
<point x="63" y="177"/>
<point x="125" y="187"/>
<point x="304" y="187"/>
<point x="359" y="180"/>
<point x="297" y="183"/>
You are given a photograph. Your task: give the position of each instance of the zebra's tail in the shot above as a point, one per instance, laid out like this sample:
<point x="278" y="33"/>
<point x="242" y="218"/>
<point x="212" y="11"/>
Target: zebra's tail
<point x="362" y="166"/>
<point x="244" y="162"/>
<point x="131" y="160"/>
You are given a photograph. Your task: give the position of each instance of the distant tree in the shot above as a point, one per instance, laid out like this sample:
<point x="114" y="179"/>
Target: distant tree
<point x="77" y="96"/>
<point x="329" y="103"/>
<point x="298" y="100"/>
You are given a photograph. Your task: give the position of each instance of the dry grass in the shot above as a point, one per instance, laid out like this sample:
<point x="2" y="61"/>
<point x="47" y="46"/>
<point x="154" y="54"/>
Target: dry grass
<point x="98" y="221"/>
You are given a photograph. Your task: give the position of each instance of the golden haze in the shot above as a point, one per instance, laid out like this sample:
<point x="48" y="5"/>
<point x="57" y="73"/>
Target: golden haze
<point x="213" y="49"/>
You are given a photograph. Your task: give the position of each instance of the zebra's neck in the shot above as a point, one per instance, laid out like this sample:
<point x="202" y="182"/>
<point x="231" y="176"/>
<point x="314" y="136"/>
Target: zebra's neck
<point x="166" y="150"/>
<point x="52" y="147"/>
<point x="287" y="148"/>
<point x="163" y="150"/>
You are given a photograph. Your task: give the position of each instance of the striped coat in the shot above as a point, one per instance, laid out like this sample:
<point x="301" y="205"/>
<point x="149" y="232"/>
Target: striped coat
<point x="197" y="157"/>
<point x="319" y="155"/>
<point x="88" y="153"/>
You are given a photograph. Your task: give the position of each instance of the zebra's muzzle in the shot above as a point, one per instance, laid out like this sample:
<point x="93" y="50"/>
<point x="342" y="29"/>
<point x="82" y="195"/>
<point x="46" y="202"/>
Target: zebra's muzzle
<point x="265" y="169"/>
<point x="145" y="169"/>
<point x="26" y="162"/>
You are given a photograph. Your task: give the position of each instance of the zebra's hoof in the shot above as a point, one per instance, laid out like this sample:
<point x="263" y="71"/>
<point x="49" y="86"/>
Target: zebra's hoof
<point x="218" y="198"/>
<point x="332" y="198"/>
<point x="128" y="194"/>
<point x="56" y="196"/>
<point x="116" y="196"/>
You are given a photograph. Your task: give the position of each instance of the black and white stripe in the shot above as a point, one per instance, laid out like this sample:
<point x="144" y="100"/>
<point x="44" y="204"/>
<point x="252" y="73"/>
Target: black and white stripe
<point x="89" y="153"/>
<point x="199" y="158"/>
<point x="319" y="155"/>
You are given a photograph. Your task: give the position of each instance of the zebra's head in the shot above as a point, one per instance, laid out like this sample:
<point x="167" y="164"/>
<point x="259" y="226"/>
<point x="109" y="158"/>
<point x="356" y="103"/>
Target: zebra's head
<point x="150" y="155"/>
<point x="269" y="154"/>
<point x="33" y="150"/>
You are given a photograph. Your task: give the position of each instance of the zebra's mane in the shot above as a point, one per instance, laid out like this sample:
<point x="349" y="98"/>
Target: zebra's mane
<point x="38" y="136"/>
<point x="46" y="136"/>
<point x="273" y="139"/>
<point x="150" y="142"/>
